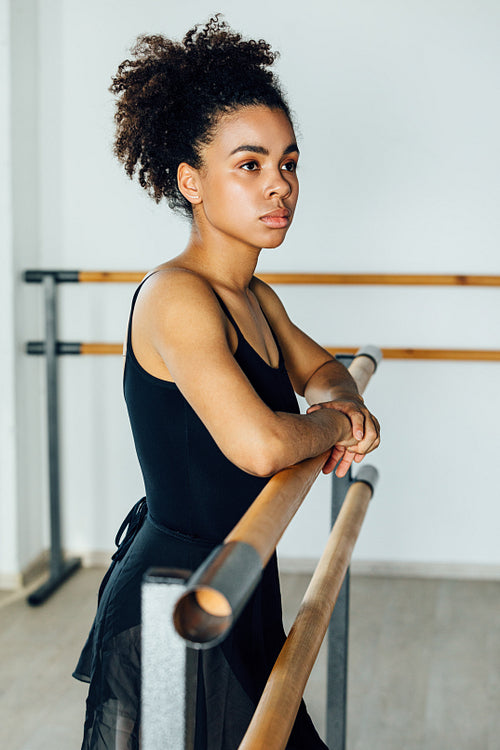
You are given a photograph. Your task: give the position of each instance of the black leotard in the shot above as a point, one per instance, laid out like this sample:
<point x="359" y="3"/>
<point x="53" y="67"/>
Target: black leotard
<point x="195" y="495"/>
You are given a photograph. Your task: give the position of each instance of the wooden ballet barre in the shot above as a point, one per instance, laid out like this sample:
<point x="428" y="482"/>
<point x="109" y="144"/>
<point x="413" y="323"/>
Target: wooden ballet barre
<point x="219" y="589"/>
<point x="381" y="279"/>
<point x="457" y="355"/>
<point x="275" y="714"/>
<point x="134" y="277"/>
<point x="373" y="279"/>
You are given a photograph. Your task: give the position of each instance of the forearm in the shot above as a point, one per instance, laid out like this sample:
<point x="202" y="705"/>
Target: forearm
<point x="330" y="381"/>
<point x="295" y="437"/>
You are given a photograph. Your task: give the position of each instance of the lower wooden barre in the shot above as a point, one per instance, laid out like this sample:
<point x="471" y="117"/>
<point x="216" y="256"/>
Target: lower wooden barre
<point x="275" y="714"/>
<point x="464" y="355"/>
<point x="100" y="348"/>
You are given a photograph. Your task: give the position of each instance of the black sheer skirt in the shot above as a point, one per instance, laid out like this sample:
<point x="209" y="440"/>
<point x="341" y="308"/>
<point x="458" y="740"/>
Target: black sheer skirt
<point x="231" y="676"/>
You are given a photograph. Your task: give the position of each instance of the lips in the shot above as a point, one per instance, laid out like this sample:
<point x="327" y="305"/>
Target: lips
<point x="277" y="219"/>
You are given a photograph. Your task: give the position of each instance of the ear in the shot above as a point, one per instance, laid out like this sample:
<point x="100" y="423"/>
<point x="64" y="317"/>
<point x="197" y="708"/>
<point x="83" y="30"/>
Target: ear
<point x="189" y="184"/>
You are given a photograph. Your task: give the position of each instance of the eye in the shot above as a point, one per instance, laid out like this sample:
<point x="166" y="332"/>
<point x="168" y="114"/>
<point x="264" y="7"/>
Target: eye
<point x="250" y="166"/>
<point x="289" y="166"/>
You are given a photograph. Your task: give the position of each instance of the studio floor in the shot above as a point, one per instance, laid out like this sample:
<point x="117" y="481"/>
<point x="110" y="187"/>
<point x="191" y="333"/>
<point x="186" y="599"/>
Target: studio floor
<point x="424" y="664"/>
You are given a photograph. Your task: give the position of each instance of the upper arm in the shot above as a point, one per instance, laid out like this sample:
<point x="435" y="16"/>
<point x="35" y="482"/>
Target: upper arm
<point x="179" y="313"/>
<point x="302" y="355"/>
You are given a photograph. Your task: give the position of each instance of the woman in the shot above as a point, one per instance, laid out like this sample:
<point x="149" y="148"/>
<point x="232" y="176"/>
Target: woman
<point x="212" y="362"/>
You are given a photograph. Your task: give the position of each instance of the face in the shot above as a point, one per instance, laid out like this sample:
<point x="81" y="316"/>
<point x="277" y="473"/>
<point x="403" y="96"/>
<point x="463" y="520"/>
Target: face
<point x="248" y="184"/>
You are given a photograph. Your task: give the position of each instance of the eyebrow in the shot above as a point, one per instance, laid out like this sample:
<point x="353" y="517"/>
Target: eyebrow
<point x="261" y="150"/>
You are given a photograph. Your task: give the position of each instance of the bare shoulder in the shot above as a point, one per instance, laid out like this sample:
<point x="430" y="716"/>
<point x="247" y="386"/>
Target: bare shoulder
<point x="173" y="288"/>
<point x="174" y="280"/>
<point x="176" y="302"/>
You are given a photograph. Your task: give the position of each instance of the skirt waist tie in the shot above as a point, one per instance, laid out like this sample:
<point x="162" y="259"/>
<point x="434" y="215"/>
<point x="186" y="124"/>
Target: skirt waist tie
<point x="130" y="527"/>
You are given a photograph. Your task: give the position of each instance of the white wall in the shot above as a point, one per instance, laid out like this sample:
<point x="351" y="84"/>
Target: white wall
<point x="22" y="440"/>
<point x="8" y="520"/>
<point x="398" y="117"/>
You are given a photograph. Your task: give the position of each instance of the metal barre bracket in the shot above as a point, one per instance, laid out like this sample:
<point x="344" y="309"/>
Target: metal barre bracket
<point x="62" y="347"/>
<point x="372" y="352"/>
<point x="60" y="277"/>
<point x="368" y="475"/>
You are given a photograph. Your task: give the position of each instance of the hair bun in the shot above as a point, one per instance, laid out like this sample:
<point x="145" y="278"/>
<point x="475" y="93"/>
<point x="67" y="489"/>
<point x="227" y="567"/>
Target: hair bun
<point x="171" y="94"/>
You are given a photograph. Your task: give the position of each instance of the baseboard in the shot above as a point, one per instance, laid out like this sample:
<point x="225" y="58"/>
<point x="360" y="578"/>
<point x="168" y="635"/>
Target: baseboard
<point x="401" y="569"/>
<point x="10" y="581"/>
<point x="39" y="567"/>
<point x="34" y="570"/>
<point x="298" y="565"/>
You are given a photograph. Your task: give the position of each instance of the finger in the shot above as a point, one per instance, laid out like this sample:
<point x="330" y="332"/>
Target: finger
<point x="335" y="456"/>
<point x="371" y="438"/>
<point x="314" y="407"/>
<point x="341" y="457"/>
<point x="344" y="465"/>
<point x="361" y="449"/>
<point x="358" y="424"/>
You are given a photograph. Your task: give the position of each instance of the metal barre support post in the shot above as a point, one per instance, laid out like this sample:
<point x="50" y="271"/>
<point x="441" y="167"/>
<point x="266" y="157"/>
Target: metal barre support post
<point x="338" y="630"/>
<point x="337" y="642"/>
<point x="167" y="706"/>
<point x="60" y="569"/>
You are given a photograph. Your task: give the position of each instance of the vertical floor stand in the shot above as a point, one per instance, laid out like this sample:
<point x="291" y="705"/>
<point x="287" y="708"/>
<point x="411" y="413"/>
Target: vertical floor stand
<point x="336" y="700"/>
<point x="169" y="666"/>
<point x="338" y="631"/>
<point x="60" y="569"/>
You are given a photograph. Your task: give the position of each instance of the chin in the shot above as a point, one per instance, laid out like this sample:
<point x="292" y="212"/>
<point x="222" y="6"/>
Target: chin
<point x="273" y="243"/>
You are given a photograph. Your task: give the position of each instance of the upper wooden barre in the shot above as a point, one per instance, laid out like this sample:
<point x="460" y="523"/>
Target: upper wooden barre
<point x="275" y="714"/>
<point x="375" y="279"/>
<point x="263" y="524"/>
<point x="249" y="546"/>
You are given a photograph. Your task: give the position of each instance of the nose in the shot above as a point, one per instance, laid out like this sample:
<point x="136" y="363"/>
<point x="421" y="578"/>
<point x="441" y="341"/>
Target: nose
<point x="278" y="185"/>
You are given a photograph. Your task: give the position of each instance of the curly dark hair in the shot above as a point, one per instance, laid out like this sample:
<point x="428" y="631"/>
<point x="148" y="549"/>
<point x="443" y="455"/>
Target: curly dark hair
<point x="171" y="95"/>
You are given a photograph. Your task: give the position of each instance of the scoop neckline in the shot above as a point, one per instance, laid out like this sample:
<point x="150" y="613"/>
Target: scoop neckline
<point x="241" y="338"/>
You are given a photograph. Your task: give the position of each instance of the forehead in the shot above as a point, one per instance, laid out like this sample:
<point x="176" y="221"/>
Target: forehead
<point x="256" y="126"/>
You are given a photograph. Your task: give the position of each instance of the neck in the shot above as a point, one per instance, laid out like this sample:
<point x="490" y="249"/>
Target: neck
<point x="225" y="262"/>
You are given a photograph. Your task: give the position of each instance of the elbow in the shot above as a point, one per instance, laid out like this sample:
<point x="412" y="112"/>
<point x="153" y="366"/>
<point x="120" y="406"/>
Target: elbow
<point x="263" y="466"/>
<point x="262" y="458"/>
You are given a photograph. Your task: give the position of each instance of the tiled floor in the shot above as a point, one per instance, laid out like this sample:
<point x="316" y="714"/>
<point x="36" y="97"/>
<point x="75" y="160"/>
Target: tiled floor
<point x="424" y="665"/>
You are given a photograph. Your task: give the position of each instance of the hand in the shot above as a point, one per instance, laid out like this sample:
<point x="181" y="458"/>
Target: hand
<point x="365" y="433"/>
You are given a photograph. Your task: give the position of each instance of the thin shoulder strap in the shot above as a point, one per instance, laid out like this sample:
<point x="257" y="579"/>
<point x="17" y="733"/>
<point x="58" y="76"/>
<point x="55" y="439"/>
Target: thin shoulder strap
<point x="240" y="335"/>
<point x="228" y="314"/>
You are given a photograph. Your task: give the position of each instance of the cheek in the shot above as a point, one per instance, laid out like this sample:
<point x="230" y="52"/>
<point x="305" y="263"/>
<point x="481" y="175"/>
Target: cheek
<point x="230" y="197"/>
